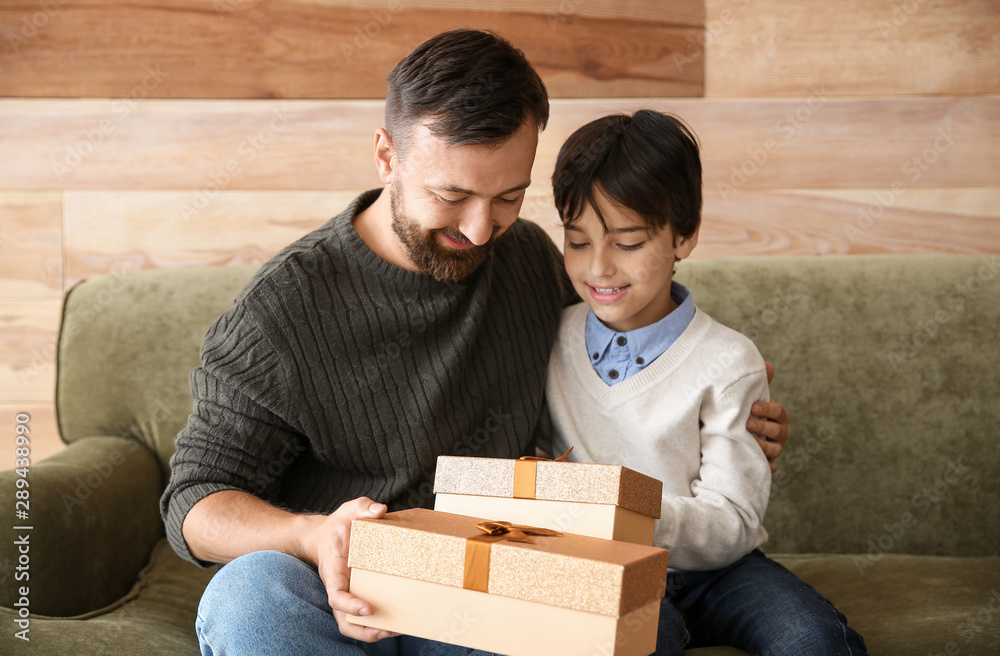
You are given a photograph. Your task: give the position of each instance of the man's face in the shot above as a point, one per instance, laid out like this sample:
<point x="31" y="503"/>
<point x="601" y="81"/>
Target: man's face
<point x="451" y="203"/>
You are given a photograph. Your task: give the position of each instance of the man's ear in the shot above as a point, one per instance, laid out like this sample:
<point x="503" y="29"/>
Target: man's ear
<point x="685" y="245"/>
<point x="386" y="156"/>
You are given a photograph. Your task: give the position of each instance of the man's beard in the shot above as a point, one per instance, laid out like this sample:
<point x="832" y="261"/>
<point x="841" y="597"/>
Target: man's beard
<point x="442" y="263"/>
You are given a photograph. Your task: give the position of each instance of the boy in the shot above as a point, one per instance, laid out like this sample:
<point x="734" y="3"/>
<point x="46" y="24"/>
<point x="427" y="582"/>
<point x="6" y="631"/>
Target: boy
<point x="643" y="378"/>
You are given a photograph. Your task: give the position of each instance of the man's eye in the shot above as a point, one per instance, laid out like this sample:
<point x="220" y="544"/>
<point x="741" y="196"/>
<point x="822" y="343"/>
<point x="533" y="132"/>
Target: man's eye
<point x="631" y="247"/>
<point x="449" y="201"/>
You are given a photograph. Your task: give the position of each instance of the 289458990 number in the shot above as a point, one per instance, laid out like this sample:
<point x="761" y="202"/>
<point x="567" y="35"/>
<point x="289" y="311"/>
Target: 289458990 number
<point x="22" y="465"/>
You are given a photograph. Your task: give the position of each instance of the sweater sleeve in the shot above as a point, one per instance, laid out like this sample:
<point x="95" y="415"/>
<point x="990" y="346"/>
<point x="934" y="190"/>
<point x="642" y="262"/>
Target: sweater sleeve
<point x="569" y="295"/>
<point x="543" y="431"/>
<point x="235" y="438"/>
<point x="723" y="519"/>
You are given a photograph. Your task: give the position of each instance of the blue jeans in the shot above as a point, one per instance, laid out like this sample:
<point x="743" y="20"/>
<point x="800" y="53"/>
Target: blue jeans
<point x="271" y="603"/>
<point x="754" y="604"/>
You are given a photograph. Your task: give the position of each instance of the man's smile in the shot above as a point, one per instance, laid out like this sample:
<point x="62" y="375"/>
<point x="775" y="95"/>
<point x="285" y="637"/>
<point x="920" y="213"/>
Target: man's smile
<point x="456" y="241"/>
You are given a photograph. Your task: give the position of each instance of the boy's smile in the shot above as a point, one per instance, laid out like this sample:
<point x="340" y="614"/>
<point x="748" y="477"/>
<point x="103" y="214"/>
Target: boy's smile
<point x="607" y="294"/>
<point x="623" y="273"/>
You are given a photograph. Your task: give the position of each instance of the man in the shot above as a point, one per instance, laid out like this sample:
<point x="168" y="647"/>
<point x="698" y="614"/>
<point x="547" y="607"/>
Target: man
<point x="417" y="323"/>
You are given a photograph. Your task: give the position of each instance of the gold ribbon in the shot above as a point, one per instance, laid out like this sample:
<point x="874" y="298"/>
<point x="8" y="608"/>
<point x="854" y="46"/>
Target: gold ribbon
<point x="477" y="549"/>
<point x="524" y="474"/>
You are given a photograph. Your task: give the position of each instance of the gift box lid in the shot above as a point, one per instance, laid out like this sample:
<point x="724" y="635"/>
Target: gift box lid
<point x="578" y="482"/>
<point x="571" y="571"/>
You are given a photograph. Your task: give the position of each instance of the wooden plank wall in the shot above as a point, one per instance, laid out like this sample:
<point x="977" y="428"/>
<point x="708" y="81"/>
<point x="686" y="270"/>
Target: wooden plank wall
<point x="171" y="133"/>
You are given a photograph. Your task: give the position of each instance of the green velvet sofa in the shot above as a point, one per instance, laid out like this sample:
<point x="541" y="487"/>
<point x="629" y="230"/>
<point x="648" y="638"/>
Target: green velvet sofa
<point x="887" y="499"/>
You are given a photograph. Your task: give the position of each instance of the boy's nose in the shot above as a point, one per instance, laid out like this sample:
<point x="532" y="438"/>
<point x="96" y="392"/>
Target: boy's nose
<point x="601" y="264"/>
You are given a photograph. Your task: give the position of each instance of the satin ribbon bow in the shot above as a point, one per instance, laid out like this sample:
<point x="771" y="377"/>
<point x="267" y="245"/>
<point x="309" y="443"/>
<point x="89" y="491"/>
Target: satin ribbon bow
<point x="524" y="474"/>
<point x="478" y="547"/>
<point x="513" y="532"/>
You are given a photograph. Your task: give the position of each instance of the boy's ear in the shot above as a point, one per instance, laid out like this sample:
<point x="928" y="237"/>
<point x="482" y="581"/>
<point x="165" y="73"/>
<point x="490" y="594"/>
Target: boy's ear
<point x="386" y="156"/>
<point x="685" y="245"/>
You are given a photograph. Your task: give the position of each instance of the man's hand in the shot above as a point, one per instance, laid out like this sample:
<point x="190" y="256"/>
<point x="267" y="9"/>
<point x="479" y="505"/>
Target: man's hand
<point x="228" y="524"/>
<point x="769" y="424"/>
<point x="326" y="544"/>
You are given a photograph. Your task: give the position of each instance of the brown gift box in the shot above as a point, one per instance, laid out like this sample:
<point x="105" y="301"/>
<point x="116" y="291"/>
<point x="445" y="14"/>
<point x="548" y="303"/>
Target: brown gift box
<point x="603" y="501"/>
<point x="558" y="594"/>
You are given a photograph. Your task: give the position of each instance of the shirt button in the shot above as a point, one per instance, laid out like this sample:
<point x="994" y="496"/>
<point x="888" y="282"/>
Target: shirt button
<point x="613" y="374"/>
<point x="639" y="360"/>
<point x="622" y="341"/>
<point x="596" y="356"/>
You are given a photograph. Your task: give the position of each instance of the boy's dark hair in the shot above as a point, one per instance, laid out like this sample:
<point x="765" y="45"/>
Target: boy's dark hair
<point x="647" y="162"/>
<point x="476" y="86"/>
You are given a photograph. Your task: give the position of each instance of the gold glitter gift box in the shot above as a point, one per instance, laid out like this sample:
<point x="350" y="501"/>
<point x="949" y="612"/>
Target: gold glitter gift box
<point x="509" y="589"/>
<point x="602" y="501"/>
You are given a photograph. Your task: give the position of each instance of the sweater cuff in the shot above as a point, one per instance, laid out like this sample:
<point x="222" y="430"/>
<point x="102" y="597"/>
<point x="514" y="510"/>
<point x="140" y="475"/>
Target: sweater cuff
<point x="176" y="509"/>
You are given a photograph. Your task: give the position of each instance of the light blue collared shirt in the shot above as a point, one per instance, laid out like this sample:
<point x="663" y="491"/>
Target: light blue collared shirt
<point x="616" y="356"/>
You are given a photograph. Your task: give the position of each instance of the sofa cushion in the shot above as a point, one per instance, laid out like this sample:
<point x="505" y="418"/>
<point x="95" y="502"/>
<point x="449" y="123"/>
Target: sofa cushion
<point x="906" y="605"/>
<point x="156" y="618"/>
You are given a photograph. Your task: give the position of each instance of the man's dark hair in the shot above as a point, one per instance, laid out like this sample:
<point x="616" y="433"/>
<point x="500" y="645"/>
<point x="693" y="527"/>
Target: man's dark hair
<point x="647" y="162"/>
<point x="474" y="86"/>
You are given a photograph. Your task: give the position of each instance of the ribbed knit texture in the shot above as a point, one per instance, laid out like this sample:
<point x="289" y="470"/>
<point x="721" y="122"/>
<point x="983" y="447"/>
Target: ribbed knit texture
<point x="682" y="420"/>
<point x="337" y="375"/>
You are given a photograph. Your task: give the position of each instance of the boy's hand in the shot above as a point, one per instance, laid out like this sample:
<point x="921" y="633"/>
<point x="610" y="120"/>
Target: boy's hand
<point x="769" y="424"/>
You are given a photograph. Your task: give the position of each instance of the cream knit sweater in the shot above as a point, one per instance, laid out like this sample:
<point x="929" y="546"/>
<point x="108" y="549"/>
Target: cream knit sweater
<point x="682" y="420"/>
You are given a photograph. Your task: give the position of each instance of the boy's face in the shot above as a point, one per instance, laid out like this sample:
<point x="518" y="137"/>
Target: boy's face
<point x="451" y="203"/>
<point x="625" y="274"/>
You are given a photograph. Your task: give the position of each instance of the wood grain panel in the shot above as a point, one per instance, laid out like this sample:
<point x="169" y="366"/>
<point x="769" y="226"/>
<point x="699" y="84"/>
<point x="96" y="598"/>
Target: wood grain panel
<point x="300" y="49"/>
<point x="824" y="222"/>
<point x="820" y="142"/>
<point x="28" y="330"/>
<point x="688" y="12"/>
<point x="30" y="244"/>
<point x="198" y="145"/>
<point x="754" y="222"/>
<point x="131" y="230"/>
<point x="982" y="203"/>
<point x="851" y="48"/>
<point x="814" y="142"/>
<point x="43" y="432"/>
<point x="111" y="231"/>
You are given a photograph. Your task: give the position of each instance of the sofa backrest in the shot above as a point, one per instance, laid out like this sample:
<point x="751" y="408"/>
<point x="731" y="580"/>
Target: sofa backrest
<point x="127" y="344"/>
<point x="888" y="366"/>
<point x="890" y="369"/>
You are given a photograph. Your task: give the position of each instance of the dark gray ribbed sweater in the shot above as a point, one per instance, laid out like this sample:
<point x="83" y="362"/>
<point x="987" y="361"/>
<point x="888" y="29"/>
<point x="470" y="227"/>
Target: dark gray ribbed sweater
<point x="337" y="375"/>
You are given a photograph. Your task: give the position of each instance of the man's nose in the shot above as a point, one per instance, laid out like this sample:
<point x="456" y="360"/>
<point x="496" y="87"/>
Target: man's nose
<point x="478" y="225"/>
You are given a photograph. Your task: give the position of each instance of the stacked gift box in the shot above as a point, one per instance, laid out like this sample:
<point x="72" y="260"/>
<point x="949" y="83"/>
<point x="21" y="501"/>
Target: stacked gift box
<point x="519" y="557"/>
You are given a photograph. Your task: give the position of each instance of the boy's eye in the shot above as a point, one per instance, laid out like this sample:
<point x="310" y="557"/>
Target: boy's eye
<point x="510" y="201"/>
<point x="631" y="247"/>
<point x="575" y="246"/>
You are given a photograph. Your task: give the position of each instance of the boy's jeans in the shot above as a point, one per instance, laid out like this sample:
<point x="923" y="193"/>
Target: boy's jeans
<point x="755" y="604"/>
<point x="271" y="603"/>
